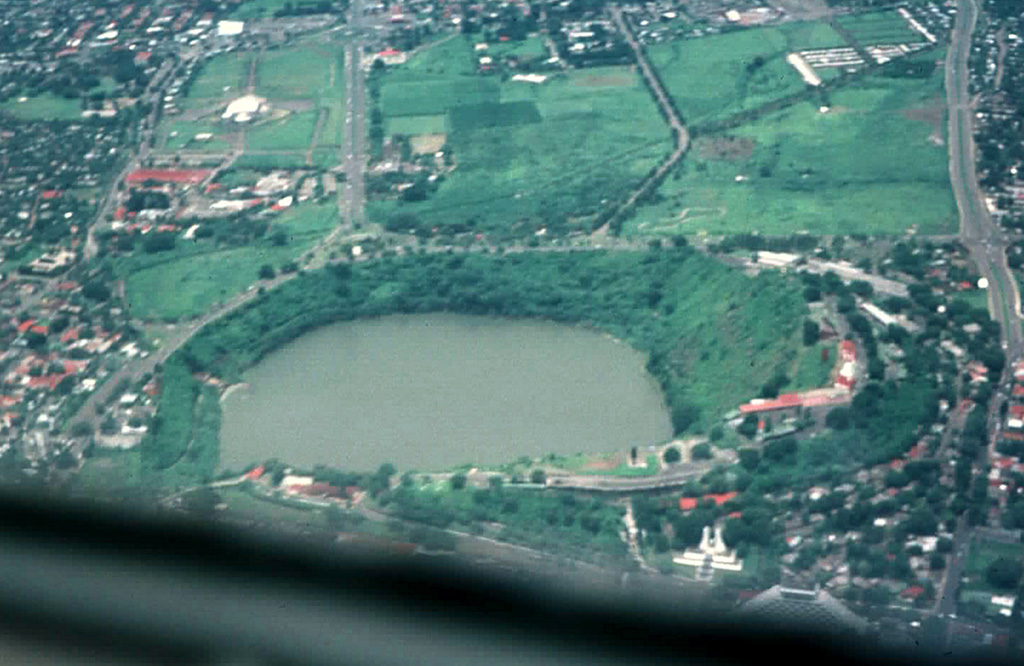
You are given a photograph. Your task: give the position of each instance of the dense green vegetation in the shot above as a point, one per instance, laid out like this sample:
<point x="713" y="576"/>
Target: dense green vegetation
<point x="555" y="522"/>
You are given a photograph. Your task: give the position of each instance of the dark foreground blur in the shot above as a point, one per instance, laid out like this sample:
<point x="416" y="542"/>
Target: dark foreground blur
<point x="84" y="585"/>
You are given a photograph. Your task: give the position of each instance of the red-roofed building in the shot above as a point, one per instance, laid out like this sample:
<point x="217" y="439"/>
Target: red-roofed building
<point x="40" y="329"/>
<point x="142" y="57"/>
<point x="120" y="213"/>
<point x="70" y="335"/>
<point x="50" y="194"/>
<point x="690" y="503"/>
<point x="687" y="503"/>
<point x="784" y="401"/>
<point x="48" y="382"/>
<point x="1017" y="411"/>
<point x="848" y="350"/>
<point x="735" y="514"/>
<point x="9" y="400"/>
<point x="1014" y="436"/>
<point x="24" y="326"/>
<point x="896" y="465"/>
<point x="68" y="285"/>
<point x="912" y="592"/>
<point x="1018" y="391"/>
<point x="176" y="176"/>
<point x="255" y="473"/>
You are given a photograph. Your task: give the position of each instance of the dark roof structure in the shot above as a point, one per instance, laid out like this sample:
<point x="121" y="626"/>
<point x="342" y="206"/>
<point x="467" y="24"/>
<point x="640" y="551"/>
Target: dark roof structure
<point x="796" y="608"/>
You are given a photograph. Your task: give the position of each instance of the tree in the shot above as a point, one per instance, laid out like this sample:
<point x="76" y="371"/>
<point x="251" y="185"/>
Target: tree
<point x="672" y="455"/>
<point x="1004" y="573"/>
<point x="749" y="458"/>
<point x="811" y="332"/>
<point x="458" y="481"/>
<point x="538" y="477"/>
<point x="81" y="429"/>
<point x="266" y="272"/>
<point x="701" y="452"/>
<point x="716" y="434"/>
<point x="748" y="427"/>
<point x="838" y="418"/>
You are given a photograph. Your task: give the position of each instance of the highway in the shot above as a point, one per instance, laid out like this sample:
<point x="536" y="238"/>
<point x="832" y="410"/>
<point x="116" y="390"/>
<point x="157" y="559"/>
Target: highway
<point x="982" y="237"/>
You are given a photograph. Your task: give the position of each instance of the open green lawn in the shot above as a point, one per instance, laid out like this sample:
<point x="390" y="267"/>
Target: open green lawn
<point x="294" y="132"/>
<point x="222" y="78"/>
<point x="43" y="107"/>
<point x="301" y="72"/>
<point x="181" y="134"/>
<point x="186" y="281"/>
<point x="884" y="27"/>
<point x="870" y="165"/>
<point x="253" y="9"/>
<point x="271" y="161"/>
<point x="980" y="555"/>
<point x="530" y="48"/>
<point x="526" y="155"/>
<point x="714" y="77"/>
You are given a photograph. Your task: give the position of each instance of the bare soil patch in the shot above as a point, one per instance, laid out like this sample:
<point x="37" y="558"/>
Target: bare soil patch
<point x="427" y="144"/>
<point x="606" y="464"/>
<point x="932" y="114"/>
<point x="728" y="149"/>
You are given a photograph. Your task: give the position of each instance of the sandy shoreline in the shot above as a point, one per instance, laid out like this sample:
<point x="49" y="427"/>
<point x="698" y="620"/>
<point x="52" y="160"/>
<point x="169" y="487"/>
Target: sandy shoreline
<point x="230" y="389"/>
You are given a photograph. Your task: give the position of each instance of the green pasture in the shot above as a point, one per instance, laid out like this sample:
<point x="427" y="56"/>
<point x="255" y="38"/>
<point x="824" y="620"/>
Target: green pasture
<point x="884" y="27"/>
<point x="186" y="281"/>
<point x="713" y="77"/>
<point x="526" y="155"/>
<point x="863" y="167"/>
<point x="412" y="125"/>
<point x="253" y="9"/>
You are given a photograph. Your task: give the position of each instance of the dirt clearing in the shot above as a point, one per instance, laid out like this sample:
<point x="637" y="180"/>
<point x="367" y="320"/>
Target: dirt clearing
<point x="727" y="148"/>
<point x="427" y="144"/>
<point x="932" y="113"/>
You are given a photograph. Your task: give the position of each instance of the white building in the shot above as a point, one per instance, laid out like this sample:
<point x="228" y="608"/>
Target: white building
<point x="243" y="109"/>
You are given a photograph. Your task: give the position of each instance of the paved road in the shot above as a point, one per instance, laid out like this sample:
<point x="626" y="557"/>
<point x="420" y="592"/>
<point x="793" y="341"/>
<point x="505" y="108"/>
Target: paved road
<point x="982" y="237"/>
<point x="613" y="484"/>
<point x="679" y="131"/>
<point x="350" y="193"/>
<point x="154" y="94"/>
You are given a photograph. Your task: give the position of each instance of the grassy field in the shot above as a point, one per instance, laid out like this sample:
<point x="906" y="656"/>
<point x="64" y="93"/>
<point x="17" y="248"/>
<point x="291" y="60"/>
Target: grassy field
<point x="530" y="48"/>
<point x="979" y="556"/>
<point x="885" y="27"/>
<point x="222" y="78"/>
<point x="875" y="163"/>
<point x="181" y="134"/>
<point x="714" y="77"/>
<point x="295" y="73"/>
<point x="526" y="155"/>
<point x="43" y="107"/>
<point x="598" y="465"/>
<point x="186" y="281"/>
<point x="294" y="132"/>
<point x="271" y="161"/>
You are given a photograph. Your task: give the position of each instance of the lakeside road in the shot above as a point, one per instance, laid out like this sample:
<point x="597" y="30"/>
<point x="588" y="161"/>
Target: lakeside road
<point x="981" y="236"/>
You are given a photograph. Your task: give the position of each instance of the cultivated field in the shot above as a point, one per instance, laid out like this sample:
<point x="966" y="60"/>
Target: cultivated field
<point x="874" y="163"/>
<point x="526" y="155"/>
<point x="714" y="77"/>
<point x="186" y="281"/>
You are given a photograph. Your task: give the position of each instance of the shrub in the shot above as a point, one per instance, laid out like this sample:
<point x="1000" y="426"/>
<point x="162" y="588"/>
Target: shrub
<point x="672" y="455"/>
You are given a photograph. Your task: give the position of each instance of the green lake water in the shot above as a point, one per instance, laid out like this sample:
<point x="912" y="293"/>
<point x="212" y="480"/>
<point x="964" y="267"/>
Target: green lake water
<point x="430" y="392"/>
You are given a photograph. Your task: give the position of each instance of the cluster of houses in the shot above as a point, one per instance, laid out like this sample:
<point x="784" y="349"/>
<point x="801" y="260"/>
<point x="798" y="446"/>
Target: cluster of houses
<point x="998" y="73"/>
<point x="61" y="344"/>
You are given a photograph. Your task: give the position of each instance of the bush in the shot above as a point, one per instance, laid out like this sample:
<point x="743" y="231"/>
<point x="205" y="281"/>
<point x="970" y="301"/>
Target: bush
<point x="701" y="452"/>
<point x="811" y="332"/>
<point x="1004" y="573"/>
<point x="716" y="434"/>
<point x="266" y="272"/>
<point x="458" y="481"/>
<point x="538" y="477"/>
<point x="672" y="455"/>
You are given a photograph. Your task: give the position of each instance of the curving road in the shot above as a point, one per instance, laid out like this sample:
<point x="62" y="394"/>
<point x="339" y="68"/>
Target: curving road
<point x="980" y="235"/>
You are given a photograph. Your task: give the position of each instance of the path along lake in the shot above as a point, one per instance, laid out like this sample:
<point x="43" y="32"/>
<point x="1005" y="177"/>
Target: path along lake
<point x="430" y="392"/>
